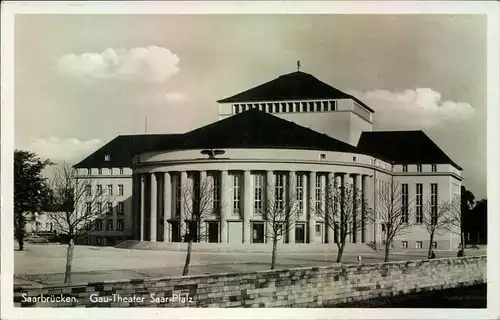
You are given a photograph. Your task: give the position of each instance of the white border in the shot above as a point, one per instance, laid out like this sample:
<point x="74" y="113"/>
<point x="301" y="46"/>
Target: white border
<point x="9" y="9"/>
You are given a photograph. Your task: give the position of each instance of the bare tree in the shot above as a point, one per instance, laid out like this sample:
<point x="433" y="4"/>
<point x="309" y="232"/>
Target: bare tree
<point x="280" y="211"/>
<point x="456" y="220"/>
<point x="200" y="202"/>
<point x="76" y="208"/>
<point x="436" y="218"/>
<point x="345" y="212"/>
<point x="393" y="207"/>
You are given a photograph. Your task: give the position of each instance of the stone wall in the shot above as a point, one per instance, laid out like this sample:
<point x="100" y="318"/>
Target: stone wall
<point x="300" y="287"/>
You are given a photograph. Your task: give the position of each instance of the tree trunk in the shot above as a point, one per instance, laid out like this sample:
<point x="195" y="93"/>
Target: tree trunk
<point x="188" y="258"/>
<point x="273" y="256"/>
<point x="69" y="260"/>
<point x="387" y="248"/>
<point x="19" y="230"/>
<point x="430" y="244"/>
<point x="462" y="243"/>
<point x="340" y="252"/>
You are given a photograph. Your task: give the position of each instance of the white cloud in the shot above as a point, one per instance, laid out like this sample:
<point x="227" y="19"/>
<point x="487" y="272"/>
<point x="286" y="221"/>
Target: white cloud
<point x="68" y="149"/>
<point x="412" y="109"/>
<point x="151" y="64"/>
<point x="164" y="97"/>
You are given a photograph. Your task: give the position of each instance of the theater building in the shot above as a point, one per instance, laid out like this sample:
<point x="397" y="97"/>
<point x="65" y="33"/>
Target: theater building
<point x="288" y="137"/>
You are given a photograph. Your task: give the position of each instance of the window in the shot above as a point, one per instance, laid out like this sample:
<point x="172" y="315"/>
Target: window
<point x="353" y="158"/>
<point x="333" y="105"/>
<point x="109" y="225"/>
<point x="216" y="193"/>
<point x="404" y="244"/>
<point x="290" y="107"/>
<point x="120" y="189"/>
<point x="109" y="208"/>
<point x="107" y="157"/>
<point x="120" y="225"/>
<point x="120" y="208"/>
<point x="311" y="106"/>
<point x="236" y="193"/>
<point x="110" y="189"/>
<point x="99" y="189"/>
<point x="304" y="106"/>
<point x="88" y="190"/>
<point x="318" y="106"/>
<point x="258" y="182"/>
<point x="325" y="105"/>
<point x="99" y="171"/>
<point x="434" y="168"/>
<point x="110" y="171"/>
<point x="404" y="203"/>
<point x="434" y="209"/>
<point x="322" y="156"/>
<point x="405" y="168"/>
<point x="419" y="204"/>
<point x="434" y="245"/>
<point x="121" y="170"/>
<point x="419" y="168"/>
<point x="280" y="191"/>
<point x="297" y="106"/>
<point x="89" y="207"/>
<point x="418" y="244"/>
<point x="318" y="230"/>
<point x="98" y="225"/>
<point x="99" y="207"/>
<point x="300" y="192"/>
<point x="236" y="108"/>
<point x="318" y="193"/>
<point x="89" y="172"/>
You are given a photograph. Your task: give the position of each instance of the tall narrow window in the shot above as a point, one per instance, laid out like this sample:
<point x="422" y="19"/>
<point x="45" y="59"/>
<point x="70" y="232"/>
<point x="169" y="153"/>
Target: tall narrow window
<point x="333" y="105"/>
<point x="297" y="106"/>
<point x="300" y="192"/>
<point x="89" y="172"/>
<point x="120" y="189"/>
<point x="325" y="105"/>
<point x="304" y="106"/>
<point x="404" y="203"/>
<point x="405" y="168"/>
<point x="419" y="214"/>
<point x="434" y="168"/>
<point x="236" y="193"/>
<point x="110" y="189"/>
<point x="280" y="191"/>
<point x="109" y="208"/>
<point x="434" y="208"/>
<point x="258" y="182"/>
<point x="216" y="192"/>
<point x="318" y="193"/>
<point x="89" y="207"/>
<point x="318" y="106"/>
<point x="419" y="168"/>
<point x="236" y="108"/>
<point x="311" y="106"/>
<point x="99" y="171"/>
<point x="121" y="170"/>
<point x="120" y="208"/>
<point x="99" y="189"/>
<point x="88" y="190"/>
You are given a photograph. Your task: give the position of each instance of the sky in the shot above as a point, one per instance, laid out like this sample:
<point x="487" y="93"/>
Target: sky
<point x="81" y="80"/>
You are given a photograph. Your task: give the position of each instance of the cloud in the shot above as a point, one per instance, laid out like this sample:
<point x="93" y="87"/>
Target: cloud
<point x="413" y="109"/>
<point x="151" y="64"/>
<point x="164" y="97"/>
<point x="68" y="149"/>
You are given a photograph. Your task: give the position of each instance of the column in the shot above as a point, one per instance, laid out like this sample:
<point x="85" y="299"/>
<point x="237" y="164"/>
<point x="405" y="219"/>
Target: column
<point x="167" y="206"/>
<point x="154" y="207"/>
<point x="142" y="204"/>
<point x="204" y="211"/>
<point x="343" y="202"/>
<point x="247" y="205"/>
<point x="293" y="205"/>
<point x="376" y="217"/>
<point x="329" y="203"/>
<point x="365" y="208"/>
<point x="224" y="205"/>
<point x="269" y="201"/>
<point x="357" y="214"/>
<point x="312" y="207"/>
<point x="135" y="207"/>
<point x="338" y="204"/>
<point x="182" y="210"/>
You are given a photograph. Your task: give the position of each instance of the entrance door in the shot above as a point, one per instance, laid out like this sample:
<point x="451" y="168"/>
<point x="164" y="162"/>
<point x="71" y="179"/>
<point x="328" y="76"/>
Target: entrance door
<point x="176" y="231"/>
<point x="300" y="234"/>
<point x="258" y="232"/>
<point x="213" y="231"/>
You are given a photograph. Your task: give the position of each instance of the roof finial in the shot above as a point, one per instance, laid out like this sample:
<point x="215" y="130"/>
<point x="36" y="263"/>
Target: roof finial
<point x="298" y="65"/>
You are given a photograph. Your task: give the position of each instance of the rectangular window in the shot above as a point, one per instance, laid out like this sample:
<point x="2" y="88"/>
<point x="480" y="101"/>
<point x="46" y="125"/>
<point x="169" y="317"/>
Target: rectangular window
<point x="120" y="189"/>
<point x="121" y="170"/>
<point x="325" y="105"/>
<point x="236" y="193"/>
<point x="236" y="108"/>
<point x="280" y="191"/>
<point x="89" y="207"/>
<point x="258" y="183"/>
<point x="304" y="106"/>
<point x="120" y="208"/>
<point x="418" y="244"/>
<point x="89" y="172"/>
<point x="110" y="171"/>
<point x="88" y="190"/>
<point x="318" y="230"/>
<point x="333" y="105"/>
<point x="99" y="171"/>
<point x="109" y="225"/>
<point x="99" y="207"/>
<point x="110" y="189"/>
<point x="297" y="106"/>
<point x="405" y="168"/>
<point x="300" y="192"/>
<point x="290" y="107"/>
<point x="98" y="225"/>
<point x="318" y="193"/>
<point x="434" y="168"/>
<point x="109" y="208"/>
<point x="404" y="244"/>
<point x="419" y="198"/>
<point x="283" y="107"/>
<point x="99" y="189"/>
<point x="216" y="192"/>
<point x="311" y="106"/>
<point x="404" y="203"/>
<point x="318" y="106"/>
<point x="434" y="208"/>
<point x="120" y="225"/>
<point x="419" y="168"/>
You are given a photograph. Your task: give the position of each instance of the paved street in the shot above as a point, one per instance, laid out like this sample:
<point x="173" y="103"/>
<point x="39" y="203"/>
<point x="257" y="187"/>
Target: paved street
<point x="46" y="263"/>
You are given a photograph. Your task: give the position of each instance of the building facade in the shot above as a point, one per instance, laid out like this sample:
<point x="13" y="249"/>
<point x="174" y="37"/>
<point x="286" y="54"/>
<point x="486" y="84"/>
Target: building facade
<point x="292" y="136"/>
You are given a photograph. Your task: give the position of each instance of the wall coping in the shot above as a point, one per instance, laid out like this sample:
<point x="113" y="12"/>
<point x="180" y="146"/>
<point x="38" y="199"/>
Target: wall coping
<point x="339" y="266"/>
